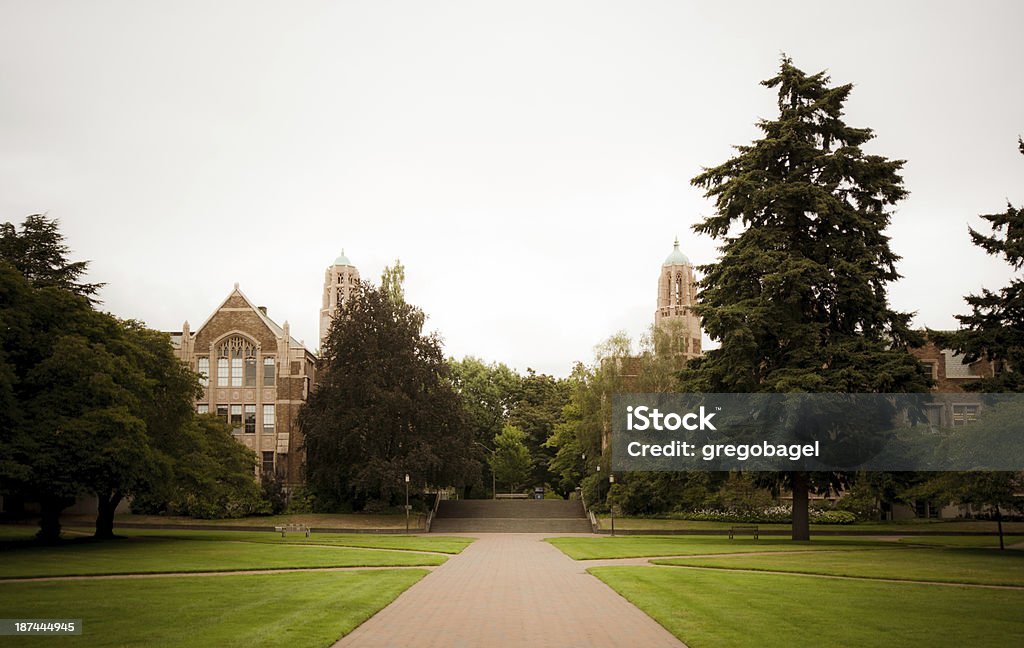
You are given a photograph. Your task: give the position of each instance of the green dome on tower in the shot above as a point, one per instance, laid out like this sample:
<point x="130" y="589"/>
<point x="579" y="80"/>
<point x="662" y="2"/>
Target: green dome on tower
<point x="677" y="257"/>
<point x="342" y="260"/>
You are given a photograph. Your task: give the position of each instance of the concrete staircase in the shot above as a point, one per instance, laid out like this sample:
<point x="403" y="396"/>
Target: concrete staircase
<point x="510" y="516"/>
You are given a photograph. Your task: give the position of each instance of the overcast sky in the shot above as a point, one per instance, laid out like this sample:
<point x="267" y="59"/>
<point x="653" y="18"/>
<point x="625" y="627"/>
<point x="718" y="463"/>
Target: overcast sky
<point x="529" y="162"/>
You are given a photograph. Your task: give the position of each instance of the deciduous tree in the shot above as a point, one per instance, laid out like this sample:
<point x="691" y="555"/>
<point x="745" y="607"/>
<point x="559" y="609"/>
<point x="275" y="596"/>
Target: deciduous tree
<point x="384" y="407"/>
<point x="511" y="461"/>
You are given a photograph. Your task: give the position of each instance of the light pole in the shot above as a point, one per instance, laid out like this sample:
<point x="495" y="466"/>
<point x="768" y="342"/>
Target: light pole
<point x="611" y="482"/>
<point x="407" y="503"/>
<point x="494" y="482"/>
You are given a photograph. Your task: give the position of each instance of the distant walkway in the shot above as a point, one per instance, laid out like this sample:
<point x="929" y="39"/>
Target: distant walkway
<point x="510" y="590"/>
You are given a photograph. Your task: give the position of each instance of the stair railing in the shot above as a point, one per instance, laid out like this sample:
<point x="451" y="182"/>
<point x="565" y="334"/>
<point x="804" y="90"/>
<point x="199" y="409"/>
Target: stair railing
<point x="433" y="512"/>
<point x="595" y="524"/>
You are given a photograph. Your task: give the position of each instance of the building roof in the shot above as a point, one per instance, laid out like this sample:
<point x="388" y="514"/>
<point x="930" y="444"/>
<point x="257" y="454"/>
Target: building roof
<point x="955" y="367"/>
<point x="271" y="324"/>
<point x="677" y="257"/>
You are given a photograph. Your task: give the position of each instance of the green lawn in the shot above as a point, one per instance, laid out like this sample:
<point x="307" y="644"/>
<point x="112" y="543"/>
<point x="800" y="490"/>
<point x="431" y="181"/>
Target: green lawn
<point x="905" y="563"/>
<point x="301" y="610"/>
<point x="639" y="546"/>
<point x="173" y="554"/>
<point x="317" y="520"/>
<point x="740" y="610"/>
<point x="991" y="542"/>
<point x="440" y="544"/>
<point x="16" y="533"/>
<point x="933" y="526"/>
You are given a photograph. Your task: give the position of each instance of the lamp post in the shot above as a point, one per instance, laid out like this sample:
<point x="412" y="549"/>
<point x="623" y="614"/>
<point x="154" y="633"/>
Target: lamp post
<point x="494" y="482"/>
<point x="611" y="482"/>
<point x="407" y="503"/>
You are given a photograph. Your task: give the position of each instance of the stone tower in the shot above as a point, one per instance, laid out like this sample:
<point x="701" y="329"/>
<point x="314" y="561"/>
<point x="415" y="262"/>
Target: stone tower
<point x="675" y="322"/>
<point x="339" y="279"/>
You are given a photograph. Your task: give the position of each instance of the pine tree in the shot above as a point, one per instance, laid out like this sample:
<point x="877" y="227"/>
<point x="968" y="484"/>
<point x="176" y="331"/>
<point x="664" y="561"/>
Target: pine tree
<point x="39" y="253"/>
<point x="798" y="297"/>
<point x="994" y="330"/>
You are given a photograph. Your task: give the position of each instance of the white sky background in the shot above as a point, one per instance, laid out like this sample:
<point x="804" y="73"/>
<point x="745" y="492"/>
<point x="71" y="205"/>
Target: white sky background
<point x="529" y="162"/>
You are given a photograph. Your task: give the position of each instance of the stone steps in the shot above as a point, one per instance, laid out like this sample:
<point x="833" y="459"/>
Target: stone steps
<point x="510" y="516"/>
<point x="510" y="525"/>
<point x="510" y="509"/>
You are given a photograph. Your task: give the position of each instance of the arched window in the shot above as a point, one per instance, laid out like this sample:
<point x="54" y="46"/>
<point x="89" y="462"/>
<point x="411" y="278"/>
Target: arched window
<point x="236" y="362"/>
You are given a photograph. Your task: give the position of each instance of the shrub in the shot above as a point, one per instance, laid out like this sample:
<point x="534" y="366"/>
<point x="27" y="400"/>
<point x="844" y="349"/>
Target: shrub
<point x="769" y="515"/>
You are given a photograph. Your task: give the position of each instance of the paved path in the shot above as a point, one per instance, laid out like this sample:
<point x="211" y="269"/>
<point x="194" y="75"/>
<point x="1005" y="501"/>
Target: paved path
<point x="510" y="589"/>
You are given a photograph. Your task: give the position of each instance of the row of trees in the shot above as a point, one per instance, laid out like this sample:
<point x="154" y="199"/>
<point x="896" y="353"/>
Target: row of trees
<point x="798" y="298"/>
<point x="92" y="404"/>
<point x="388" y="404"/>
<point x="798" y="301"/>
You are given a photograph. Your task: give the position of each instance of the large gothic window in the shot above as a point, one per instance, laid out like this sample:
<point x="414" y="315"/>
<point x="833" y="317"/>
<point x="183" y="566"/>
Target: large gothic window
<point x="236" y="362"/>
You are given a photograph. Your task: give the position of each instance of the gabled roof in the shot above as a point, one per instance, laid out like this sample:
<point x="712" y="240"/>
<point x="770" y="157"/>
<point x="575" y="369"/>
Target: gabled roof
<point x="271" y="324"/>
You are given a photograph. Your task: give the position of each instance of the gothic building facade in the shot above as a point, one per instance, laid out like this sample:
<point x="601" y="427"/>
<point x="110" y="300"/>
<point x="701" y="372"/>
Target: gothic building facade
<point x="256" y="376"/>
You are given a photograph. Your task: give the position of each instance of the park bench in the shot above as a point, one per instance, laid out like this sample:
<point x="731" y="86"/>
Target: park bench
<point x="511" y="496"/>
<point x="294" y="528"/>
<point x="745" y="528"/>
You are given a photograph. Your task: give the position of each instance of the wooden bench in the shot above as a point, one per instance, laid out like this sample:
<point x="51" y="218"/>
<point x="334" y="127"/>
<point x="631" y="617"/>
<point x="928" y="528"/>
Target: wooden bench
<point x="746" y="528"/>
<point x="294" y="528"/>
<point x="511" y="496"/>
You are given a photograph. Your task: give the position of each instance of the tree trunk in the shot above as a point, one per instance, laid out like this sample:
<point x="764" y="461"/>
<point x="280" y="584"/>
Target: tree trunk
<point x="801" y="518"/>
<point x="999" y="521"/>
<point x="105" y="514"/>
<point x="49" y="522"/>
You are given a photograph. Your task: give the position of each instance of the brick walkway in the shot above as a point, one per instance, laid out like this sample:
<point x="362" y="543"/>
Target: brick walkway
<point x="510" y="590"/>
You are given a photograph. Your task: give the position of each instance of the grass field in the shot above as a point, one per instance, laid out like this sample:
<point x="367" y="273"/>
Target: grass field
<point x="306" y="609"/>
<point x="582" y="548"/>
<point x="725" y="609"/>
<point x="142" y="554"/>
<point x="317" y="520"/>
<point x="932" y="526"/>
<point x="791" y="601"/>
<point x="982" y="566"/>
<point x="301" y="610"/>
<point x="440" y="544"/>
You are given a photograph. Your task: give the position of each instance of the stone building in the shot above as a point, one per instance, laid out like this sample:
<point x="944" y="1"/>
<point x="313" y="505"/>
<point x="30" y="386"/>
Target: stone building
<point x="339" y="280"/>
<point x="676" y="324"/>
<point x="255" y="376"/>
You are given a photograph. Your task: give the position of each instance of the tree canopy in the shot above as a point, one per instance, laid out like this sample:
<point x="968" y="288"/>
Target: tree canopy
<point x="994" y="329"/>
<point x="91" y="403"/>
<point x="384" y="407"/>
<point x="38" y="252"/>
<point x="798" y="298"/>
<point x="511" y="461"/>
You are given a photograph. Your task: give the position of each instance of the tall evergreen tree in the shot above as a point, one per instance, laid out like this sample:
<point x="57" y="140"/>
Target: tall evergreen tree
<point x="798" y="297"/>
<point x="39" y="253"/>
<point x="994" y="329"/>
